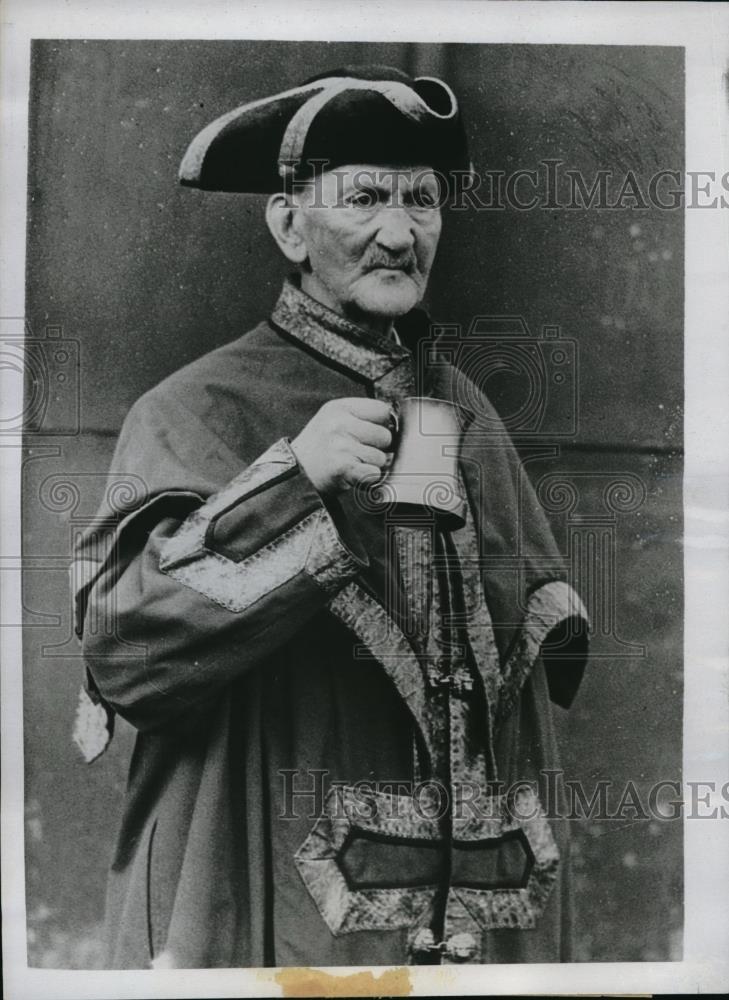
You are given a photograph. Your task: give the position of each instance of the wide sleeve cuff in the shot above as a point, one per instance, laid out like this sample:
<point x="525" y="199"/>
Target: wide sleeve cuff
<point x="266" y="527"/>
<point x="555" y="627"/>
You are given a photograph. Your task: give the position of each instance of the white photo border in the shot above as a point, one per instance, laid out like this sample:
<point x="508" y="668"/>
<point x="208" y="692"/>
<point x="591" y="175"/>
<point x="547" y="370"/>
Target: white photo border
<point x="703" y="30"/>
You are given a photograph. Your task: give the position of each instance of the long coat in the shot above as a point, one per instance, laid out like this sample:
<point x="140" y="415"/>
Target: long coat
<point x="326" y="700"/>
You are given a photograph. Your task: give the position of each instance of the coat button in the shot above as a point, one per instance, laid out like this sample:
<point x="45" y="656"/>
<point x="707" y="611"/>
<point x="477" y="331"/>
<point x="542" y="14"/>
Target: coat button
<point x="423" y="942"/>
<point x="461" y="947"/>
<point x="424" y="948"/>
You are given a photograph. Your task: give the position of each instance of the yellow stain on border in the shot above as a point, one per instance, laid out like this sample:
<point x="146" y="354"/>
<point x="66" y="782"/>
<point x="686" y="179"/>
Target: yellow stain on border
<point x="305" y="982"/>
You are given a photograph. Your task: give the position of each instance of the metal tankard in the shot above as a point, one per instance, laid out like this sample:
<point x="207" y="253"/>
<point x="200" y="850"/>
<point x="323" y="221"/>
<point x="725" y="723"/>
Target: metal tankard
<point x="424" y="470"/>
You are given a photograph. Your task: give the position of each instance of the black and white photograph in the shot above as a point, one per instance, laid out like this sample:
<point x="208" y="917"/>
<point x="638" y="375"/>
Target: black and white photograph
<point x="364" y="530"/>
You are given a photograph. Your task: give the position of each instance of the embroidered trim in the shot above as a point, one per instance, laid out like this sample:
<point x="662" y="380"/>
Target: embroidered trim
<point x="238" y="585"/>
<point x="471" y="761"/>
<point x="376" y="358"/>
<point x="369" y="621"/>
<point x="548" y="606"/>
<point x="312" y="545"/>
<point x="478" y="618"/>
<point x="346" y="810"/>
<point x="519" y="908"/>
<point x="188" y="540"/>
<point x="396" y="384"/>
<point x="414" y="548"/>
<point x="328" y="562"/>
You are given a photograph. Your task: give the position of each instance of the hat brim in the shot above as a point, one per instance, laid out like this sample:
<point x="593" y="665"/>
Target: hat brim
<point x="250" y="148"/>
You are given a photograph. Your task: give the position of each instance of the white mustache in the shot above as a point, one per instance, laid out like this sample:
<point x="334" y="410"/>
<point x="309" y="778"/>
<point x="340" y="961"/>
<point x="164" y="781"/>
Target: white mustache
<point x="407" y="264"/>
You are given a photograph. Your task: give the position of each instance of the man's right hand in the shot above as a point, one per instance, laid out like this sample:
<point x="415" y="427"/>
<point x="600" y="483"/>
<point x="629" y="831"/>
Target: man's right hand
<point x="345" y="443"/>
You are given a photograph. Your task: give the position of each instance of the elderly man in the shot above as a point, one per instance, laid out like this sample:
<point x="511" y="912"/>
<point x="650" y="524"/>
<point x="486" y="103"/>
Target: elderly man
<point x="343" y="713"/>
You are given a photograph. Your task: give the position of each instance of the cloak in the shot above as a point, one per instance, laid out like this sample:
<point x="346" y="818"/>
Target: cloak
<point x="344" y="722"/>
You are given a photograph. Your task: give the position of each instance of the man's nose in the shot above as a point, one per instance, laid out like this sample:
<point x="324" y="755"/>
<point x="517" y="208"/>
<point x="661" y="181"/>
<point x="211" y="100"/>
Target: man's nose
<point x="395" y="231"/>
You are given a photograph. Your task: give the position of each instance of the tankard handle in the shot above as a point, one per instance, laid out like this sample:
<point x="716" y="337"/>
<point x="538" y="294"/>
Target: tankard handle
<point x="394" y="426"/>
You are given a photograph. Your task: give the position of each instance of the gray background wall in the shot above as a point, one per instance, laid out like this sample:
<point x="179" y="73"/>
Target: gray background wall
<point x="145" y="276"/>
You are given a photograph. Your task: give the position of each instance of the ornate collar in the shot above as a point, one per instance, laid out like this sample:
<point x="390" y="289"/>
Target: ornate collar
<point x="388" y="366"/>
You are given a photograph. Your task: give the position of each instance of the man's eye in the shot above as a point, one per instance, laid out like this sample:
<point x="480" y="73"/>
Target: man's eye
<point x="424" y="198"/>
<point x="362" y="199"/>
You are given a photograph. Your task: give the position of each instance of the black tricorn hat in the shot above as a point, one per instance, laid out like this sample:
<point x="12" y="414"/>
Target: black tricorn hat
<point x="357" y="114"/>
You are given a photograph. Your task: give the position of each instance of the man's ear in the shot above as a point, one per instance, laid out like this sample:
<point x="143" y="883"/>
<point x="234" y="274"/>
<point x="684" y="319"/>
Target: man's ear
<point x="281" y="219"/>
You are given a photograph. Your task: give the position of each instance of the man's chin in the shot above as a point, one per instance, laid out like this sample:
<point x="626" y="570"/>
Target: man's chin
<point x="387" y="294"/>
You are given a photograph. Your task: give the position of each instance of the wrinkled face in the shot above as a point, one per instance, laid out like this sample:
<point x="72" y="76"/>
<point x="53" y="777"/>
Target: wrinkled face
<point x="371" y="234"/>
